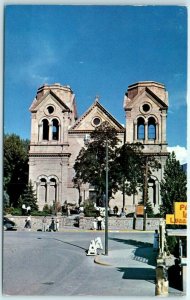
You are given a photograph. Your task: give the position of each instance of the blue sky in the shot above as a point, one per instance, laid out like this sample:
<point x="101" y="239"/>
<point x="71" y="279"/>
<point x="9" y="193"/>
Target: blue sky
<point x="97" y="50"/>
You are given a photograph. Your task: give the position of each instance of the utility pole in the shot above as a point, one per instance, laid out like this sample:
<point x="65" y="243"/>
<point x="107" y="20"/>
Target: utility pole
<point x="145" y="192"/>
<point x="106" y="202"/>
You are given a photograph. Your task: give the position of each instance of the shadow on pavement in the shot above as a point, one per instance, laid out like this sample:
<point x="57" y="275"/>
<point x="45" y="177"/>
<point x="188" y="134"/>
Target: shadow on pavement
<point x="67" y="243"/>
<point x="143" y="252"/>
<point x="147" y="274"/>
<point x="132" y="242"/>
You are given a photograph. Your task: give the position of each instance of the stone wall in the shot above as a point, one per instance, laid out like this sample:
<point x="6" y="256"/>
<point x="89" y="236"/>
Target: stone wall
<point x="123" y="223"/>
<point x="87" y="223"/>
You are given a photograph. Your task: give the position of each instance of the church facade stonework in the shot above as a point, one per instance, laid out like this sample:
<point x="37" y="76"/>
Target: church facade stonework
<point x="58" y="134"/>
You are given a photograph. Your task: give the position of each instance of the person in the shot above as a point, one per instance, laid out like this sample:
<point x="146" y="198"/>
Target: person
<point x="68" y="211"/>
<point x="28" y="223"/>
<point x="57" y="224"/>
<point x="44" y="223"/>
<point x="156" y="240"/>
<point x="99" y="219"/>
<point x="52" y="226"/>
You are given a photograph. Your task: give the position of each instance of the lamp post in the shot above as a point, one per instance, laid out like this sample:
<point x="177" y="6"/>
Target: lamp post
<point x="106" y="202"/>
<point x="145" y="192"/>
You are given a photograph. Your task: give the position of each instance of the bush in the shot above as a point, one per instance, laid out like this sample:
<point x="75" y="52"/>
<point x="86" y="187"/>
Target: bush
<point x="47" y="209"/>
<point x="38" y="213"/>
<point x="89" y="210"/>
<point x="172" y="245"/>
<point x="16" y="212"/>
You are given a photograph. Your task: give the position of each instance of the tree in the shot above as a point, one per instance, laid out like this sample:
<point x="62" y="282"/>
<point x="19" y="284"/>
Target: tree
<point x="29" y="197"/>
<point x="129" y="167"/>
<point x="173" y="187"/>
<point x="15" y="167"/>
<point x="125" y="163"/>
<point x="90" y="164"/>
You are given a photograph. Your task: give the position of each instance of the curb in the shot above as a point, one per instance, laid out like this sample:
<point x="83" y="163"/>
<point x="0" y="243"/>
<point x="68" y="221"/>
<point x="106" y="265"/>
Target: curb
<point x="96" y="261"/>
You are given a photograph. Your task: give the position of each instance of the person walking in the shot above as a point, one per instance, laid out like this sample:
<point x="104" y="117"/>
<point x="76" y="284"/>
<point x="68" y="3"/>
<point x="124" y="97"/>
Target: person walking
<point x="28" y="223"/>
<point x="44" y="223"/>
<point x="156" y="240"/>
<point x="99" y="222"/>
<point x="52" y="225"/>
<point x="57" y="224"/>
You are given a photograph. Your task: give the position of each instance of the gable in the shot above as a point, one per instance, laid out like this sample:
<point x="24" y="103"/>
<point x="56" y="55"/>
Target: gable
<point x="93" y="117"/>
<point x="145" y="95"/>
<point x="51" y="98"/>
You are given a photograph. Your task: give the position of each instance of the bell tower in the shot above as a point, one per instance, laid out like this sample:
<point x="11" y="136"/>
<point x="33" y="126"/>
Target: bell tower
<point x="146" y="105"/>
<point x="53" y="112"/>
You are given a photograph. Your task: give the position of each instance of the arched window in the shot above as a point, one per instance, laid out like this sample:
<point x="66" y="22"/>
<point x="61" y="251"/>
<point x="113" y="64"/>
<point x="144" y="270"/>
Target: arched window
<point x="55" y="130"/>
<point x="45" y="130"/>
<point x="151" y="129"/>
<point x="43" y="190"/>
<point x="152" y="191"/>
<point x="53" y="190"/>
<point x="140" y="129"/>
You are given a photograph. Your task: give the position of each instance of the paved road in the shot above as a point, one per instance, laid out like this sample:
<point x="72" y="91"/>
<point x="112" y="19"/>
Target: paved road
<point x="48" y="263"/>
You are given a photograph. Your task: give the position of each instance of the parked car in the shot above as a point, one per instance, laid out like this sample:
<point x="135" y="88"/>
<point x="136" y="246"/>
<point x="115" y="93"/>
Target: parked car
<point x="9" y="224"/>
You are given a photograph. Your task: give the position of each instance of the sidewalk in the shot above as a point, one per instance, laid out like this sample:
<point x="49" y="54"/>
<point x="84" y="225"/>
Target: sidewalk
<point x="136" y="264"/>
<point x="140" y="257"/>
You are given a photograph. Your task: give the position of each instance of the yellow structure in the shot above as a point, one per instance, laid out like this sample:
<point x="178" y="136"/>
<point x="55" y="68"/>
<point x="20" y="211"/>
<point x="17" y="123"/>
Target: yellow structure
<point x="180" y="214"/>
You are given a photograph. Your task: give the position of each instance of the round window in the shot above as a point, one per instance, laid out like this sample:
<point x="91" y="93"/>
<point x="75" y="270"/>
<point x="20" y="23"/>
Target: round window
<point x="96" y="121"/>
<point x="146" y="107"/>
<point x="50" y="109"/>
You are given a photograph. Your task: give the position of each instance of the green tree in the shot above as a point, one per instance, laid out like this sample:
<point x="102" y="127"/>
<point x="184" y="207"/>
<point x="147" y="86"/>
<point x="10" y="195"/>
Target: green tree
<point x="29" y="197"/>
<point x="129" y="169"/>
<point x="15" y="162"/>
<point x="90" y="165"/>
<point x="173" y="187"/>
<point x="125" y="163"/>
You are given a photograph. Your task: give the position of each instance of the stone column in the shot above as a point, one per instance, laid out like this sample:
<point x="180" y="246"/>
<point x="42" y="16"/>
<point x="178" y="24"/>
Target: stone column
<point x="47" y="192"/>
<point x="163" y="129"/>
<point x="50" y="132"/>
<point x="135" y="131"/>
<point x="157" y="132"/>
<point x="146" y="131"/>
<point x="40" y="132"/>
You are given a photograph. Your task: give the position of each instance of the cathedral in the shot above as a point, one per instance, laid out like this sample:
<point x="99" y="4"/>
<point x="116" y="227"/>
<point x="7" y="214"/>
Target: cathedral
<point x="58" y="134"/>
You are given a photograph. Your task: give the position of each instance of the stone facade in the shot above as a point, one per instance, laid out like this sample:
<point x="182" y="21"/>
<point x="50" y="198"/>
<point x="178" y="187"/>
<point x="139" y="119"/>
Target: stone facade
<point x="57" y="135"/>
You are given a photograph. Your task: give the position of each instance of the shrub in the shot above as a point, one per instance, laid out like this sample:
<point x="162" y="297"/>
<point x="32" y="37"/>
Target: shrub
<point x="89" y="209"/>
<point x="16" y="212"/>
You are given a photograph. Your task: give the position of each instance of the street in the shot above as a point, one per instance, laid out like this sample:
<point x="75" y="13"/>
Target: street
<point x="55" y="263"/>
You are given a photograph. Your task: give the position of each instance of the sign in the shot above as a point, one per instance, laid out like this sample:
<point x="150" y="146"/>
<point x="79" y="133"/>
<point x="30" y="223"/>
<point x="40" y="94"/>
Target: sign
<point x="170" y="219"/>
<point x="139" y="210"/>
<point x="180" y="214"/>
<point x="180" y="210"/>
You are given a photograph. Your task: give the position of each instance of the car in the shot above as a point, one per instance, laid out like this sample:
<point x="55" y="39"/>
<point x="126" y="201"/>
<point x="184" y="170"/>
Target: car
<point x="9" y="224"/>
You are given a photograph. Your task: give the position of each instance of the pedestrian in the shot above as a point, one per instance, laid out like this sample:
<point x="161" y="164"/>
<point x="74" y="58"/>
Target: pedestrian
<point x="156" y="240"/>
<point x="99" y="221"/>
<point x="52" y="225"/>
<point x="28" y="223"/>
<point x="68" y="211"/>
<point x="44" y="223"/>
<point x="57" y="224"/>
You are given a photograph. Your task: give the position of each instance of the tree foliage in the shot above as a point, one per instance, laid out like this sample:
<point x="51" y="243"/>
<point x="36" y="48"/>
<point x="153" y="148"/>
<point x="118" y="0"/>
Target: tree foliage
<point x="90" y="165"/>
<point x="29" y="197"/>
<point x="125" y="163"/>
<point x="173" y="187"/>
<point x="15" y="167"/>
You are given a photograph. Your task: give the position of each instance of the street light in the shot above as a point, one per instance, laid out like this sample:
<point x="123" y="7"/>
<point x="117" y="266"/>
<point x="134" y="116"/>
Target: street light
<point x="145" y="192"/>
<point x="106" y="202"/>
<point x="86" y="142"/>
